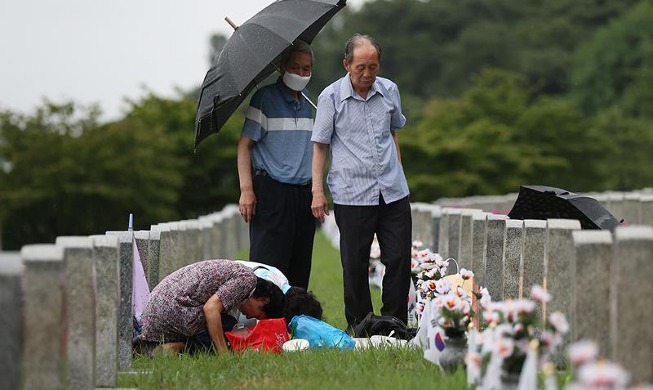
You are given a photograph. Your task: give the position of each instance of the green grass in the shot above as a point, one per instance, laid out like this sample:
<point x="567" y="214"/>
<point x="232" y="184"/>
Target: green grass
<point x="383" y="368"/>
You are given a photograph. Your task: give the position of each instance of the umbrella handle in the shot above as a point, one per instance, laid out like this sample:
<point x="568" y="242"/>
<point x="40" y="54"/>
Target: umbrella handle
<point x="309" y="100"/>
<point x="232" y="24"/>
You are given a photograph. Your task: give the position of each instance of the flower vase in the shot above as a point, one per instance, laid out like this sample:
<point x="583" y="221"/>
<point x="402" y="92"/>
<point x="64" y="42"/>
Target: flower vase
<point x="453" y="354"/>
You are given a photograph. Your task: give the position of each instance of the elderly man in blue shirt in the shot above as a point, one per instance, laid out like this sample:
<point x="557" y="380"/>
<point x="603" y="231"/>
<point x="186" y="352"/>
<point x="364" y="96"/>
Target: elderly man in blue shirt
<point x="274" y="169"/>
<point x="356" y="122"/>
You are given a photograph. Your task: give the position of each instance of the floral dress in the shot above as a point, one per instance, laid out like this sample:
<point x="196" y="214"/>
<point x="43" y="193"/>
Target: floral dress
<point x="175" y="312"/>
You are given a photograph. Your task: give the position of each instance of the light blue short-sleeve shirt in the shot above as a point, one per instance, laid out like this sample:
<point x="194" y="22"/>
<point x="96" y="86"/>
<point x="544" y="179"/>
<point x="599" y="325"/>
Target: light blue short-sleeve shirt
<point x="281" y="128"/>
<point x="363" y="156"/>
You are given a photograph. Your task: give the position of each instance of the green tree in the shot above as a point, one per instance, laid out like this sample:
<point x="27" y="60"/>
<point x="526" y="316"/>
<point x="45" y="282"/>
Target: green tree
<point x="209" y="174"/>
<point x="616" y="67"/>
<point x="628" y="158"/>
<point x="70" y="175"/>
<point x="497" y="136"/>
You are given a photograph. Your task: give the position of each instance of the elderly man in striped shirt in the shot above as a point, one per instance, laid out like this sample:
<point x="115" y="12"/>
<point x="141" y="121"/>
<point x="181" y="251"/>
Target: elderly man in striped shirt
<point x="356" y="122"/>
<point x="275" y="196"/>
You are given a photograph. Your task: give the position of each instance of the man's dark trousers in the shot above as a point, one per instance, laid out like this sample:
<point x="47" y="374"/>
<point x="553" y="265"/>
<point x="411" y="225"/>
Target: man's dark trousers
<point x="392" y="224"/>
<point x="282" y="230"/>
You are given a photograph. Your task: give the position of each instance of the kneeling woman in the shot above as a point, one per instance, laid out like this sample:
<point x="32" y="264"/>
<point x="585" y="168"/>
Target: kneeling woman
<point x="188" y="305"/>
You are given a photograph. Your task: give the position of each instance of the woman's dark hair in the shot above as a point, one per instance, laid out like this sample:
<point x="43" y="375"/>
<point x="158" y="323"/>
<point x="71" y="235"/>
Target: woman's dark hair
<point x="265" y="289"/>
<point x="299" y="301"/>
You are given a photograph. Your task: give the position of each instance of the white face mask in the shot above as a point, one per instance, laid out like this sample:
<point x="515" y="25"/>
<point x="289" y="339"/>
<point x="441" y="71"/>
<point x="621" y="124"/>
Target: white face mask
<point x="295" y="81"/>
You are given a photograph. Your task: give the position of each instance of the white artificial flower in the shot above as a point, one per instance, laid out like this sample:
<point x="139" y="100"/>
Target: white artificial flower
<point x="443" y="286"/>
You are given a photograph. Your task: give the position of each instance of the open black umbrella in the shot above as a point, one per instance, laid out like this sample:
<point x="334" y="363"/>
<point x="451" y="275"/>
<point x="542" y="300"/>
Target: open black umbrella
<point x="252" y="53"/>
<point x="542" y="202"/>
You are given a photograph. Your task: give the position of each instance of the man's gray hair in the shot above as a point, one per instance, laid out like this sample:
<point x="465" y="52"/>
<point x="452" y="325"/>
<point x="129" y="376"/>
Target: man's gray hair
<point x="359" y="40"/>
<point x="298" y="46"/>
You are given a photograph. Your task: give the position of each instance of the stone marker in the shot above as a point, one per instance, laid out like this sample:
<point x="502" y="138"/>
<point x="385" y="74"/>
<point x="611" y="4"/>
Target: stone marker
<point x="631" y="209"/>
<point x="143" y="245"/>
<point x="615" y="204"/>
<point x="512" y="258"/>
<point x="43" y="356"/>
<point x="218" y="236"/>
<point x="632" y="317"/>
<point x="168" y="242"/>
<point x="422" y="223"/>
<point x="436" y="213"/>
<point x="590" y="288"/>
<point x="190" y="244"/>
<point x="11" y="320"/>
<point x="453" y="246"/>
<point x="494" y="252"/>
<point x="479" y="223"/>
<point x="206" y="231"/>
<point x="558" y="266"/>
<point x="646" y="209"/>
<point x="79" y="304"/>
<point x="153" y="247"/>
<point x="533" y="256"/>
<point x="106" y="253"/>
<point x="443" y="233"/>
<point x="465" y="260"/>
<point x="126" y="321"/>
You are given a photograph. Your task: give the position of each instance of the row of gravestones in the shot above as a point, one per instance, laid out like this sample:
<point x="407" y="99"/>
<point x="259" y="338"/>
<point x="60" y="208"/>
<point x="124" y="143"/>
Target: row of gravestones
<point x="66" y="307"/>
<point x="634" y="207"/>
<point x="600" y="280"/>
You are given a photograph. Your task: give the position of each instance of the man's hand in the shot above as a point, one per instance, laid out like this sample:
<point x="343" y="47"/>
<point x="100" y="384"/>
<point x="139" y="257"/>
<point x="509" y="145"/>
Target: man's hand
<point x="319" y="205"/>
<point x="247" y="204"/>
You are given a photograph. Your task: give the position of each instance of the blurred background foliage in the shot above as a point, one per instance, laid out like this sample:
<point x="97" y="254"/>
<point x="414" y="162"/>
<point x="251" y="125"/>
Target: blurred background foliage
<point x="497" y="94"/>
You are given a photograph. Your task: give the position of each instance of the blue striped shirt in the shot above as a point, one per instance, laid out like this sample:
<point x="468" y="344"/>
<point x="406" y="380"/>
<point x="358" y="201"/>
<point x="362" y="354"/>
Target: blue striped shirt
<point x="363" y="155"/>
<point x="280" y="127"/>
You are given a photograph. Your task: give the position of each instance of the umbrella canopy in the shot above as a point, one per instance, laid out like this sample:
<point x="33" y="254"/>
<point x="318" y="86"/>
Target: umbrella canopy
<point x="542" y="202"/>
<point x="252" y="53"/>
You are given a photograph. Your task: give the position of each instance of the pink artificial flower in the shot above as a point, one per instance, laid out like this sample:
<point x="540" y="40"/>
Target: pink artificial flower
<point x="539" y="294"/>
<point x="559" y="322"/>
<point x="603" y="375"/>
<point x="582" y="352"/>
<point x="466" y="274"/>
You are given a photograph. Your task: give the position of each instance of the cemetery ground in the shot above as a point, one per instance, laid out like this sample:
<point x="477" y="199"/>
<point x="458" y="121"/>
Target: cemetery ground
<point x="381" y="368"/>
<point x="375" y="368"/>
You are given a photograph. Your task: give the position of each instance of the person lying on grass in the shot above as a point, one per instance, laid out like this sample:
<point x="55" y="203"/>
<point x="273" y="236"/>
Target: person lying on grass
<point x="187" y="306"/>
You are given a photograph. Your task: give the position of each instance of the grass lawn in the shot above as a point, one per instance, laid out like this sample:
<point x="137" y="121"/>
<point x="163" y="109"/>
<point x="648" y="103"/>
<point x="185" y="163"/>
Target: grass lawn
<point x="384" y="368"/>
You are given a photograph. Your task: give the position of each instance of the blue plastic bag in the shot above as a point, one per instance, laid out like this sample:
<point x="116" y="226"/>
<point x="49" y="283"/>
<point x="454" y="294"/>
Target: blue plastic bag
<point x="319" y="333"/>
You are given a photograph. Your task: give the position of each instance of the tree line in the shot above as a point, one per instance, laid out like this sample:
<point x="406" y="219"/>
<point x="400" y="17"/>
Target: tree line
<point x="497" y="94"/>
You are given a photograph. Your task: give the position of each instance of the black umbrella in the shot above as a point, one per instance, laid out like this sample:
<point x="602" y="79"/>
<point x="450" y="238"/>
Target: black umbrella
<point x="252" y="53"/>
<point x="542" y="202"/>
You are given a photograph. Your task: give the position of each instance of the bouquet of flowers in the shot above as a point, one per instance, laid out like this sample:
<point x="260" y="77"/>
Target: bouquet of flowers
<point x="427" y="268"/>
<point x="515" y="329"/>
<point x="453" y="305"/>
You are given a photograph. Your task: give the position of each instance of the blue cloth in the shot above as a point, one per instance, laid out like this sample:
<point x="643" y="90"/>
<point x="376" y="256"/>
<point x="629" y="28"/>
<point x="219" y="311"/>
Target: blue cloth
<point x="363" y="154"/>
<point x="281" y="128"/>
